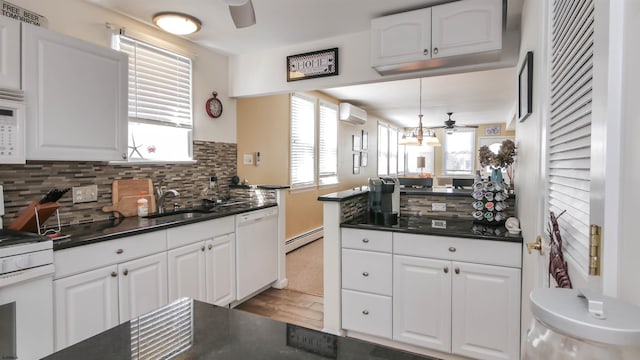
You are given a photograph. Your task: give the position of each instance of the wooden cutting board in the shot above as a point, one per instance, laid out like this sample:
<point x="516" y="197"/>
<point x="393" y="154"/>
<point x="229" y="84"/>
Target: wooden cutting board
<point x="125" y="195"/>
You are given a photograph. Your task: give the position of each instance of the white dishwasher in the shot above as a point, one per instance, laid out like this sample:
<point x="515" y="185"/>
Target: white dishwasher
<point x="256" y="250"/>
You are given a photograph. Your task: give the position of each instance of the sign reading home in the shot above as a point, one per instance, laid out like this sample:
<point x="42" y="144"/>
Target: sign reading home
<point x="312" y="64"/>
<point x="21" y="14"/>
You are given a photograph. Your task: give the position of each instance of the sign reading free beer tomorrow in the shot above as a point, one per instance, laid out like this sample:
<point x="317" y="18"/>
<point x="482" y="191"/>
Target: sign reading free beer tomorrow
<point x="312" y="64"/>
<point x="21" y="14"/>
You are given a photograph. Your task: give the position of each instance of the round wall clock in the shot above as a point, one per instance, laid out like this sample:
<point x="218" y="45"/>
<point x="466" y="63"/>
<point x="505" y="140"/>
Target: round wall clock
<point x="214" y="106"/>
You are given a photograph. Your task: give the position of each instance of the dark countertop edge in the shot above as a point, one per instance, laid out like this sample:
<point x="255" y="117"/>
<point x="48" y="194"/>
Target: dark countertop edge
<point x="198" y="217"/>
<point x="345" y="194"/>
<point x="262" y="187"/>
<point x="440" y="232"/>
<point x="452" y="192"/>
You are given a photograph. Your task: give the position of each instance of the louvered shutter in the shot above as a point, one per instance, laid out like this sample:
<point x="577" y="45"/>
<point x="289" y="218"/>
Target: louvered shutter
<point x="328" y="165"/>
<point x="303" y="146"/>
<point x="159" y="84"/>
<point x="569" y="138"/>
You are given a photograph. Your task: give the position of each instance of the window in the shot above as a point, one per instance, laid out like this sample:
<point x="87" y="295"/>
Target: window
<point x="328" y="153"/>
<point x="411" y="155"/>
<point x="387" y="150"/>
<point x="303" y="141"/>
<point x="459" y="153"/>
<point x="160" y="108"/>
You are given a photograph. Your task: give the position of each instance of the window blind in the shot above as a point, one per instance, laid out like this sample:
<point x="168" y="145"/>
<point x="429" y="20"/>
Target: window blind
<point x="159" y="83"/>
<point x="459" y="153"/>
<point x="303" y="145"/>
<point x="393" y="151"/>
<point x="383" y="149"/>
<point x="569" y="140"/>
<point x="328" y="152"/>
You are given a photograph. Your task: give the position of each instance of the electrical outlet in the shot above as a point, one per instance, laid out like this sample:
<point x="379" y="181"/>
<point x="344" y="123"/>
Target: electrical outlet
<point x="439" y="224"/>
<point x="438" y="206"/>
<point x="83" y="194"/>
<point x="212" y="182"/>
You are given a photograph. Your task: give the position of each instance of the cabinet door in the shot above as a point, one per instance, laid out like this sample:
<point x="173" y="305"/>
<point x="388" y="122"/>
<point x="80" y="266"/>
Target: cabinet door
<point x="187" y="272"/>
<point x="422" y="302"/>
<point x="401" y="38"/>
<point x="367" y="313"/>
<point x="85" y="305"/>
<point x="367" y="271"/>
<point x="482" y="295"/>
<point x="10" y="50"/>
<point x="466" y="27"/>
<point x="142" y="285"/>
<point x="221" y="270"/>
<point x="76" y="96"/>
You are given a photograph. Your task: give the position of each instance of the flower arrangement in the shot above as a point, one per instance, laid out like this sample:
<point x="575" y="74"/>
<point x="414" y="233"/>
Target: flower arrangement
<point x="503" y="159"/>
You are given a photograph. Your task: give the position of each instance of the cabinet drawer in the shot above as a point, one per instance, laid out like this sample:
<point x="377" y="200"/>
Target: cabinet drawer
<point x="367" y="240"/>
<point x="82" y="258"/>
<point x="366" y="313"/>
<point x="367" y="271"/>
<point x="490" y="252"/>
<point x="189" y="234"/>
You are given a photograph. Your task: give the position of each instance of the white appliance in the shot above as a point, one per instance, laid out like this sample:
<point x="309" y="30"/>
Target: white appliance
<point x="12" y="132"/>
<point x="1" y="205"/>
<point x="256" y="251"/>
<point x="26" y="295"/>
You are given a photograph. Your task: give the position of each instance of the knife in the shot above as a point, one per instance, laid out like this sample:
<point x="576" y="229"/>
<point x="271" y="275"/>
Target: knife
<point x="53" y="195"/>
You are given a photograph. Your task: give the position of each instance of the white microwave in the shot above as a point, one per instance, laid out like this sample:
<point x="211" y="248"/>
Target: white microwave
<point x="12" y="132"/>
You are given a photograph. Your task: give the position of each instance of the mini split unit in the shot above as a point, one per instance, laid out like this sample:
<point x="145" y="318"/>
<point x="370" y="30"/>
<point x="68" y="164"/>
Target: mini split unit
<point x="352" y="114"/>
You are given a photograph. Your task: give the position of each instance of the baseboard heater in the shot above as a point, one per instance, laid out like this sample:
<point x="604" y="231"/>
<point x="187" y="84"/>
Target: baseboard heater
<point x="303" y="239"/>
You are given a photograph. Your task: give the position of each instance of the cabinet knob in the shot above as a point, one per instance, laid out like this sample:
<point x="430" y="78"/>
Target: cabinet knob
<point x="425" y="52"/>
<point x="124" y="156"/>
<point x="365" y="312"/>
<point x="210" y="246"/>
<point x="452" y="249"/>
<point x="365" y="240"/>
<point x="125" y="272"/>
<point x="446" y="269"/>
<point x="114" y="274"/>
<point x="457" y="270"/>
<point x="202" y="248"/>
<point x="365" y="274"/>
<point x="119" y="251"/>
<point x="435" y="50"/>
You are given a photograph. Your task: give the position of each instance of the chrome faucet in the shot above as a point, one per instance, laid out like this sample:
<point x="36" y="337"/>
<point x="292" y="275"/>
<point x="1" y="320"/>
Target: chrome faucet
<point x="161" y="195"/>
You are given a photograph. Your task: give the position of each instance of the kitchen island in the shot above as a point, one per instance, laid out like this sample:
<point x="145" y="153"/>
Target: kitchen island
<point x="189" y="329"/>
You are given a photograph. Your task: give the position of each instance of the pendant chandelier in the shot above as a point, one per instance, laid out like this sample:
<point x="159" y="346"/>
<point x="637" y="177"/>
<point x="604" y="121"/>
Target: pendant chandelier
<point x="417" y="136"/>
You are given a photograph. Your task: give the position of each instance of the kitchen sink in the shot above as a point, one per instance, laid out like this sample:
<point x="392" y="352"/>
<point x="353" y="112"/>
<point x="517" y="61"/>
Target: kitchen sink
<point x="183" y="214"/>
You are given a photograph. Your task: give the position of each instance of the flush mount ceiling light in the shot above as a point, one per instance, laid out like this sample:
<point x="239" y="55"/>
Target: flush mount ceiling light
<point x="177" y="23"/>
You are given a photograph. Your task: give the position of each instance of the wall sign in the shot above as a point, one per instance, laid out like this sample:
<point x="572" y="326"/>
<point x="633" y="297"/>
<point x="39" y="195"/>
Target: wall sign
<point x="312" y="65"/>
<point x="21" y="14"/>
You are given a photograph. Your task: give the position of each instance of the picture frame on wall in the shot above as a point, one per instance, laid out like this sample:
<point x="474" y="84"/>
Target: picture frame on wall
<point x="355" y="140"/>
<point x="356" y="163"/>
<point x="525" y="87"/>
<point x="364" y="159"/>
<point x="365" y="140"/>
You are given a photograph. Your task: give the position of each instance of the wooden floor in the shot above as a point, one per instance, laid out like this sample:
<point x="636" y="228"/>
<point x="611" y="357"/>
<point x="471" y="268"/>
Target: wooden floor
<point x="289" y="306"/>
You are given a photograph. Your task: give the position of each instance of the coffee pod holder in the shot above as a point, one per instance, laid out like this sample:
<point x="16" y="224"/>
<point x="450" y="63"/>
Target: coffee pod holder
<point x="486" y="192"/>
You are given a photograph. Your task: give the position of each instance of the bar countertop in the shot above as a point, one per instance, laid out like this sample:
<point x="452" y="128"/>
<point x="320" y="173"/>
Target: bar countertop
<point x="189" y="329"/>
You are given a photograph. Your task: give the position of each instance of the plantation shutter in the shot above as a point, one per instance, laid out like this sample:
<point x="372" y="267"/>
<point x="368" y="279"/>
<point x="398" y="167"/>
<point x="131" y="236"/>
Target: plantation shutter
<point x="328" y="167"/>
<point x="569" y="140"/>
<point x="159" y="84"/>
<point x="303" y="146"/>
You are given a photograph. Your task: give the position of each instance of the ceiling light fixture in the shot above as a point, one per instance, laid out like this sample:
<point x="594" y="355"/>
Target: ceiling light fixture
<point x="177" y="23"/>
<point x="416" y="136"/>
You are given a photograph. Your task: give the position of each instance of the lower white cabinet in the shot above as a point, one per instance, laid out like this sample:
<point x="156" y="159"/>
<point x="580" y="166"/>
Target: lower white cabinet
<point x="221" y="269"/>
<point x="367" y="313"/>
<point x="187" y="272"/>
<point x="142" y="286"/>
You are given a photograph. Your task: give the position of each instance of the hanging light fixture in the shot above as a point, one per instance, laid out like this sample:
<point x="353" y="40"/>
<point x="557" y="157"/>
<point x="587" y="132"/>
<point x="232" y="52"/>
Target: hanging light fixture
<point x="177" y="23"/>
<point x="417" y="136"/>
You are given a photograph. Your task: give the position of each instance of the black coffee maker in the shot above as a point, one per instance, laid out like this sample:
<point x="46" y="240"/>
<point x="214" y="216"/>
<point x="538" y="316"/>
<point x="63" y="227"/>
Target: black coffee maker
<point x="384" y="201"/>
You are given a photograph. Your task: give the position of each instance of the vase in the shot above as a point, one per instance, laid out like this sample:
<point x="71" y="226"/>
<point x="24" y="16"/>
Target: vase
<point x="496" y="175"/>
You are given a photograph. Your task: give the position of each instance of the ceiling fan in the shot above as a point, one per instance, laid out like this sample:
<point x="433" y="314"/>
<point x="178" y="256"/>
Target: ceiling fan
<point x="241" y="12"/>
<point x="450" y="125"/>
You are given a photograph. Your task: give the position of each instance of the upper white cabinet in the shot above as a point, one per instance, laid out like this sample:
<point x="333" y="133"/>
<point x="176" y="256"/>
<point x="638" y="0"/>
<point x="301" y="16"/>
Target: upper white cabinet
<point x="458" y="28"/>
<point x="76" y="97"/>
<point x="10" y="53"/>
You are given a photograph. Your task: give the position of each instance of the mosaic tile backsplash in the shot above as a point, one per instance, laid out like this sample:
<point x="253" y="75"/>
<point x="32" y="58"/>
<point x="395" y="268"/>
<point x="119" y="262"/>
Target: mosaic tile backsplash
<point x="25" y="183"/>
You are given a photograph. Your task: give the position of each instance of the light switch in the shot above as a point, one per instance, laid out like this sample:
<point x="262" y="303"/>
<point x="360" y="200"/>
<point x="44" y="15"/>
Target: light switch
<point x="248" y="159"/>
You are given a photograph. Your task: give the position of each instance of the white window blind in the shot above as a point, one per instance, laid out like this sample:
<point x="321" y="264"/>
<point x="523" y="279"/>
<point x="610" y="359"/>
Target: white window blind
<point x="459" y="153"/>
<point x="159" y="83"/>
<point x="569" y="144"/>
<point x="383" y="149"/>
<point x="328" y="165"/>
<point x="393" y="151"/>
<point x="303" y="145"/>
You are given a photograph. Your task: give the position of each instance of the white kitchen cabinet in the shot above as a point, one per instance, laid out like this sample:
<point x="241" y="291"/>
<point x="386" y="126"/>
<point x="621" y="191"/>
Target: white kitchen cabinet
<point x="85" y="305"/>
<point x="457" y="28"/>
<point x="76" y="97"/>
<point x="422" y="302"/>
<point x="256" y="251"/>
<point x="142" y="286"/>
<point x="367" y="313"/>
<point x="10" y="50"/>
<point x="202" y="261"/>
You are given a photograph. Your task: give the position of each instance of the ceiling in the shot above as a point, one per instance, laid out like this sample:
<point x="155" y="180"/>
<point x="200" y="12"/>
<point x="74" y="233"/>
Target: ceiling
<point x="475" y="98"/>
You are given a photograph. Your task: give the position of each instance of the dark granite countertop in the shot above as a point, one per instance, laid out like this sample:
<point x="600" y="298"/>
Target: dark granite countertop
<point x="188" y="329"/>
<point x="462" y="228"/>
<point x="344" y="195"/>
<point x="84" y="234"/>
<point x="442" y="191"/>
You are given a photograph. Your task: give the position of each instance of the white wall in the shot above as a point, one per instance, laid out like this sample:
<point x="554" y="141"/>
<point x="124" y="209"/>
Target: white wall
<point x="80" y="19"/>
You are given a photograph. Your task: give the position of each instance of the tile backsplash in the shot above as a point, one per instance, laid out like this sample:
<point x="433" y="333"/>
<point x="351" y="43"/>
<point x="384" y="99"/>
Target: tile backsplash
<point x="25" y="183"/>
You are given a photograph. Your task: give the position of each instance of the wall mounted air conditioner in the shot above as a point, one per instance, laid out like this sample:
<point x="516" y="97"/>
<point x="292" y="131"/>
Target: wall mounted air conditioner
<point x="352" y="114"/>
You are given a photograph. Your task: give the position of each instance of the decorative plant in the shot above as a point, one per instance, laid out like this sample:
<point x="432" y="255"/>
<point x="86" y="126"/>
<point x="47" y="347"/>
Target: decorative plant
<point x="503" y="159"/>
